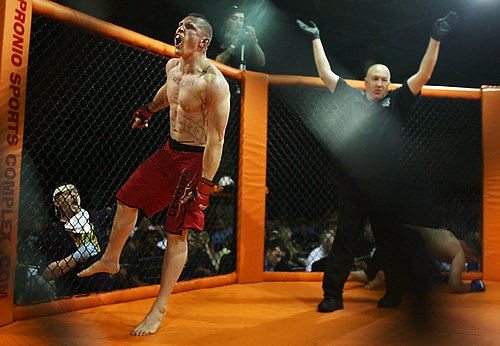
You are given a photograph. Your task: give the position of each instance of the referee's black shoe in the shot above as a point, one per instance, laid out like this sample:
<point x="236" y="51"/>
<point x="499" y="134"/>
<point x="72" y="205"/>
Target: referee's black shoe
<point x="329" y="305"/>
<point x="389" y="301"/>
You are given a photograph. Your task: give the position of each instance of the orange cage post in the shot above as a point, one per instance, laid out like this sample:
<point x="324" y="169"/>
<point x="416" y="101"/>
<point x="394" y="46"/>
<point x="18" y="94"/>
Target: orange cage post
<point x="15" y="20"/>
<point x="252" y="178"/>
<point x="491" y="181"/>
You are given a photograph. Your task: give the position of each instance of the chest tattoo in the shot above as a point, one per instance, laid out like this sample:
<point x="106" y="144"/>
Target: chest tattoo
<point x="183" y="83"/>
<point x="186" y="83"/>
<point x="193" y="128"/>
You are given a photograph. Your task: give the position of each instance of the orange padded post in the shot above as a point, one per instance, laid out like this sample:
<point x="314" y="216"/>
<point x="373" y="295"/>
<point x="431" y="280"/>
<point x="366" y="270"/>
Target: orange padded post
<point x="491" y="181"/>
<point x="252" y="178"/>
<point x="15" y="22"/>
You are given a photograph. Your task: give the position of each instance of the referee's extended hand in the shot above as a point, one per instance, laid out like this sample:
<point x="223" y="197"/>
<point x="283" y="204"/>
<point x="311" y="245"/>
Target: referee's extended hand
<point x="443" y="26"/>
<point x="311" y="30"/>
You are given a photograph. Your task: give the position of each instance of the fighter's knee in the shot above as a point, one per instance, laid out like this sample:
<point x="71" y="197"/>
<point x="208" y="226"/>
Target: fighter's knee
<point x="177" y="238"/>
<point x="122" y="207"/>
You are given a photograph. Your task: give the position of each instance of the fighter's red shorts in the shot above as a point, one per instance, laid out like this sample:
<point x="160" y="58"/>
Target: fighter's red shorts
<point x="162" y="180"/>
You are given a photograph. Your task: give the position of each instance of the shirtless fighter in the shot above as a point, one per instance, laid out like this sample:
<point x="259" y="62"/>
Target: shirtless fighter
<point x="179" y="175"/>
<point x="442" y="246"/>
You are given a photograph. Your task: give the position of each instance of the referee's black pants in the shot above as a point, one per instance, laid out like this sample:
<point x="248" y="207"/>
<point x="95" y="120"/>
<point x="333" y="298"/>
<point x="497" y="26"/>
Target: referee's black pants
<point x="381" y="203"/>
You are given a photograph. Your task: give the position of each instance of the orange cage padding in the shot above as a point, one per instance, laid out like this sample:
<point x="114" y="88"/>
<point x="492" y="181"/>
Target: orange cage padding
<point x="77" y="303"/>
<point x="252" y="178"/>
<point x="427" y="90"/>
<point x="15" y="23"/>
<point x="72" y="17"/>
<point x="318" y="276"/>
<point x="491" y="182"/>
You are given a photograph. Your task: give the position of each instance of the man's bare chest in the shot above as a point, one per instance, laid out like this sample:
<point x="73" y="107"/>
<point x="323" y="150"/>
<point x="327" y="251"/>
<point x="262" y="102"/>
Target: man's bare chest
<point x="186" y="93"/>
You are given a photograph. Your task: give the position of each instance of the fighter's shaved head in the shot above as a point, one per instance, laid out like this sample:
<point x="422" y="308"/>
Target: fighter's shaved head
<point x="204" y="24"/>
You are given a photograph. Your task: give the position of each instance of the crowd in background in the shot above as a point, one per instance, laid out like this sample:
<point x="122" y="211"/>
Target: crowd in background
<point x="305" y="245"/>
<point x="291" y="245"/>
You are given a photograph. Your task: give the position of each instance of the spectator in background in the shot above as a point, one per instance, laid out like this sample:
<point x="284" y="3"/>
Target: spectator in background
<point x="143" y="255"/>
<point x="129" y="272"/>
<point x="304" y="237"/>
<point x="292" y="260"/>
<point x="199" y="263"/>
<point x="221" y="236"/>
<point x="322" y="251"/>
<point x="239" y="45"/>
<point x="74" y="242"/>
<point x="221" y="233"/>
<point x="31" y="286"/>
<point x="273" y="255"/>
<point x="225" y="259"/>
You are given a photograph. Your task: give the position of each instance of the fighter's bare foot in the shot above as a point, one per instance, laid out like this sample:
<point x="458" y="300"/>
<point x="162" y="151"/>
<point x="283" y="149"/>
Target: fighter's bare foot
<point x="101" y="266"/>
<point x="150" y="323"/>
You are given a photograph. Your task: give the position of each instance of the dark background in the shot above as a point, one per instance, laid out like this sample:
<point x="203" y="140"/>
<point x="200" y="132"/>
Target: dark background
<point x="354" y="32"/>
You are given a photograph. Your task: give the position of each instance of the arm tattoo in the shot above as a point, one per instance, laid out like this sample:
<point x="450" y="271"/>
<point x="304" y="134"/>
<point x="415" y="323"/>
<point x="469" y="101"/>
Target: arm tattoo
<point x="160" y="101"/>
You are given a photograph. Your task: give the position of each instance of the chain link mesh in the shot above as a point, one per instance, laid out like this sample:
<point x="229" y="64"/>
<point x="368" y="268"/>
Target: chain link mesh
<point x="82" y="90"/>
<point x="442" y="174"/>
<point x="301" y="175"/>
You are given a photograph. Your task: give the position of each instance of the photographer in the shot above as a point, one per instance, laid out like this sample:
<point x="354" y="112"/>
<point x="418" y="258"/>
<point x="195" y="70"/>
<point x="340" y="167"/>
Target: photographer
<point x="239" y="45"/>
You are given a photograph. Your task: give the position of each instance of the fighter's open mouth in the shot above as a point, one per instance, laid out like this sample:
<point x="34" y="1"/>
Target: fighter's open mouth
<point x="177" y="40"/>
